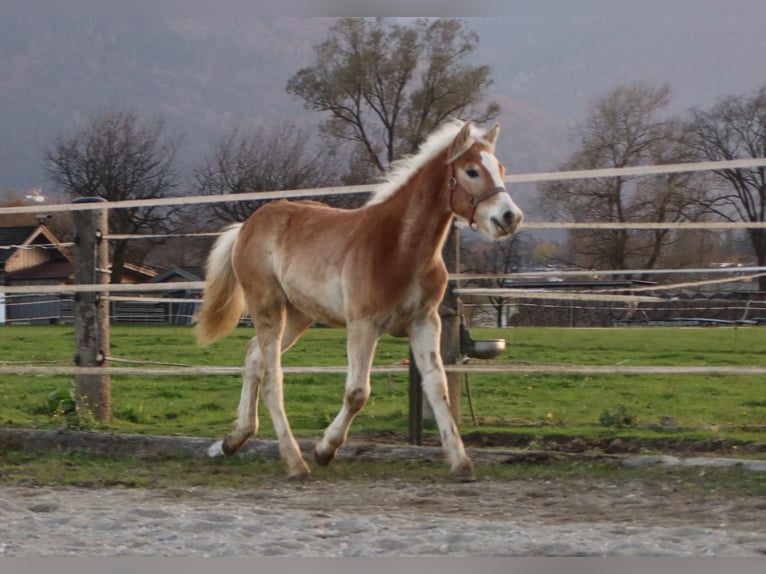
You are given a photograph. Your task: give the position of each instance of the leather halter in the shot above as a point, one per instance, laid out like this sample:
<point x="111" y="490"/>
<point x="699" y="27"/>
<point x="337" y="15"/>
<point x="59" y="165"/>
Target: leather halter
<point x="473" y="200"/>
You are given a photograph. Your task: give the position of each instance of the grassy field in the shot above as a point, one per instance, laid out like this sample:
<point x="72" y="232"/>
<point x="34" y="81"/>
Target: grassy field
<point x="532" y="406"/>
<point x="90" y="471"/>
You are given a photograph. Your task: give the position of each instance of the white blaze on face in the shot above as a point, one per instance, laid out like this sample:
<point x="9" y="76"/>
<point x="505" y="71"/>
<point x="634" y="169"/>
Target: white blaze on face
<point x="493" y="168"/>
<point x="490" y="214"/>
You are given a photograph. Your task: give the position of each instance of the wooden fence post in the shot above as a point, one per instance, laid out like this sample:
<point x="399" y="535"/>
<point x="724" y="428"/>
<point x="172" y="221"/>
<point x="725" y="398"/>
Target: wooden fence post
<point x="91" y="310"/>
<point x="415" y="434"/>
<point x="449" y="311"/>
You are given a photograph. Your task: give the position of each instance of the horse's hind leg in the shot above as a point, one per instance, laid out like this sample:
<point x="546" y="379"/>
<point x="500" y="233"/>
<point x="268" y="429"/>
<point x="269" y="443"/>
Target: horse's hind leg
<point x="272" y="382"/>
<point x="247" y="413"/>
<point x="362" y="339"/>
<point x="252" y="381"/>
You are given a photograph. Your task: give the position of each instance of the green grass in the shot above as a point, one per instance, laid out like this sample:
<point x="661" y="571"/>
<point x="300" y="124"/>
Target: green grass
<point x="89" y="471"/>
<point x="534" y="406"/>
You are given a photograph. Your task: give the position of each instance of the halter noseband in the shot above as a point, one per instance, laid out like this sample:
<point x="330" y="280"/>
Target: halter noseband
<point x="473" y="200"/>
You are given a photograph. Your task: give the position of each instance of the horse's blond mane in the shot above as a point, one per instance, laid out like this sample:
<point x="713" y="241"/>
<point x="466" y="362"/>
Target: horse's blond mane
<point x="402" y="169"/>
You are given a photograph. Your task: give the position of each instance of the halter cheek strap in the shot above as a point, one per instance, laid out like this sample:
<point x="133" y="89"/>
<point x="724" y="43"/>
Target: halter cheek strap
<point x="473" y="200"/>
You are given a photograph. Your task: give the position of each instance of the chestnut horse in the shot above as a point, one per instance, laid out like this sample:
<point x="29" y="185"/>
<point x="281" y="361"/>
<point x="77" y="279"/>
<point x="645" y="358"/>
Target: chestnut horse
<point x="373" y="270"/>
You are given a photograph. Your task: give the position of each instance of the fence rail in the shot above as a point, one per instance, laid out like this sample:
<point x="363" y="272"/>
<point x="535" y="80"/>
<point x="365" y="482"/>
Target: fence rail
<point x="485" y="369"/>
<point x="644" y="170"/>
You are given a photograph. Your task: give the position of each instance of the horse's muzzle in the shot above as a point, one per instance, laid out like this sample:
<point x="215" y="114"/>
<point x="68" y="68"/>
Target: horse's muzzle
<point x="508" y="223"/>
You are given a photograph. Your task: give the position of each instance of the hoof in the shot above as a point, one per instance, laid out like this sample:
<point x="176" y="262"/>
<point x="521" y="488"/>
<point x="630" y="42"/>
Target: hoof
<point x="221" y="448"/>
<point x="301" y="476"/>
<point x="216" y="449"/>
<point x="298" y="471"/>
<point x="464" y="472"/>
<point x="323" y="459"/>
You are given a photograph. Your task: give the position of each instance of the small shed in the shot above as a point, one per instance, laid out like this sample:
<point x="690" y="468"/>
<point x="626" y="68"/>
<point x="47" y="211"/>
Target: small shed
<point x="185" y="301"/>
<point x="175" y="307"/>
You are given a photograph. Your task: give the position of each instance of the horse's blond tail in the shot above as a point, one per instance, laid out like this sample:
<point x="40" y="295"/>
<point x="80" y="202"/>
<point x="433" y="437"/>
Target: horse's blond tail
<point x="222" y="301"/>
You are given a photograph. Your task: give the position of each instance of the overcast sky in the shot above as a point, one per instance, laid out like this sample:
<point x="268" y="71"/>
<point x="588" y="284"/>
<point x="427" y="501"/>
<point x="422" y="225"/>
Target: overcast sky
<point x="409" y="8"/>
<point x="550" y="58"/>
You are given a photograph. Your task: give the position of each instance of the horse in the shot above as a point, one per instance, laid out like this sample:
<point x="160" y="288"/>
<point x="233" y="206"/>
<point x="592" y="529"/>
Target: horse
<point x="375" y="269"/>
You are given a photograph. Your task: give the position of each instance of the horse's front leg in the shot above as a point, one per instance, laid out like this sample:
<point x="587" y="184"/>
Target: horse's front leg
<point x="424" y="340"/>
<point x="362" y="339"/>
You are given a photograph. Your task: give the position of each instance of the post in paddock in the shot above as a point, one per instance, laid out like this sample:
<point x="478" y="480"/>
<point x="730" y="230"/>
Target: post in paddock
<point x="373" y="270"/>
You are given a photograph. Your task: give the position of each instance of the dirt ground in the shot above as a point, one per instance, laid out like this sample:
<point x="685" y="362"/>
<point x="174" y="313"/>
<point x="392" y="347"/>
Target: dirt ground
<point x="381" y="518"/>
<point x="547" y="515"/>
<point x="546" y="502"/>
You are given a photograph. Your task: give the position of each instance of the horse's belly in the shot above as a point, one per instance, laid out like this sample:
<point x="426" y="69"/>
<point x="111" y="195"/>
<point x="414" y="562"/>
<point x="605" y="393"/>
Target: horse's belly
<point x="323" y="304"/>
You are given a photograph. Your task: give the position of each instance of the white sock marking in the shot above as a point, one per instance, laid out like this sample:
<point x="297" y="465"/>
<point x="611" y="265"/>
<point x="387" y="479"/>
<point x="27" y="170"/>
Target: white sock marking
<point x="216" y="449"/>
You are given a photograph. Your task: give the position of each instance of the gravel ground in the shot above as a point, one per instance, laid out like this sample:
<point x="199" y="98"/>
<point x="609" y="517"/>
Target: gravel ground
<point x="381" y="518"/>
<point x="387" y="517"/>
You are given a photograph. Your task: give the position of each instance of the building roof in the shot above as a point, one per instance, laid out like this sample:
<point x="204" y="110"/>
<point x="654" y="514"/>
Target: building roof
<point x="11" y="238"/>
<point x="59" y="264"/>
<point x="179" y="274"/>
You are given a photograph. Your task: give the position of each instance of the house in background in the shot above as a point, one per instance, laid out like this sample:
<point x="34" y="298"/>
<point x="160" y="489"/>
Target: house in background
<point x="32" y="255"/>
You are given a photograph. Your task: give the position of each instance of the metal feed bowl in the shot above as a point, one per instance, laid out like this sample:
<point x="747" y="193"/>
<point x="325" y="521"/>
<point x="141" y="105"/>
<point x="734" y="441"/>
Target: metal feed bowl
<point x="486" y="348"/>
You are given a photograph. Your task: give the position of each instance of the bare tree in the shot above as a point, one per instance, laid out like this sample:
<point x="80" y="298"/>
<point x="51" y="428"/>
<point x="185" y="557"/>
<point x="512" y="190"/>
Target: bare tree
<point x="260" y="160"/>
<point x="735" y="128"/>
<point x="117" y="156"/>
<point x="622" y="129"/>
<point x="386" y="86"/>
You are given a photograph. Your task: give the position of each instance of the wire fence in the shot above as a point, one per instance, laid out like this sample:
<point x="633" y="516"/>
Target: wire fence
<point x="622" y="303"/>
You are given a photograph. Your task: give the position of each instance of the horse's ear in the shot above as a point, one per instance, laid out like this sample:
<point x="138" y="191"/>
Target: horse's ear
<point x="491" y="136"/>
<point x="462" y="142"/>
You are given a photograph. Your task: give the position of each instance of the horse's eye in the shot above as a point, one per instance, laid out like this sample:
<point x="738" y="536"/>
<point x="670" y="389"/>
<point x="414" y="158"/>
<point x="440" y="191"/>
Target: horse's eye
<point x="472" y="172"/>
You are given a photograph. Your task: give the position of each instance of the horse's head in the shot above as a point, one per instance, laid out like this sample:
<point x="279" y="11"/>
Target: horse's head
<point x="477" y="187"/>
